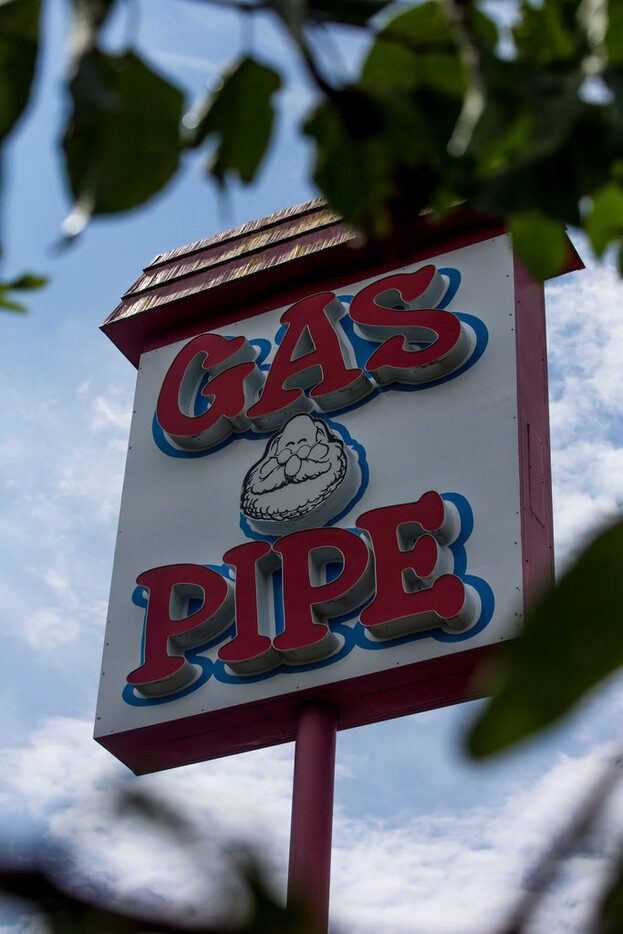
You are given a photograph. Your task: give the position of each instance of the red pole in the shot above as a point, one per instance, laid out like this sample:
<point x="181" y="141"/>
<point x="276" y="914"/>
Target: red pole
<point x="309" y="871"/>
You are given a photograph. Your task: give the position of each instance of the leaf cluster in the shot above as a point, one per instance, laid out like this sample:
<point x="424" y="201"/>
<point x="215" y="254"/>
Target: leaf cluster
<point x="65" y="912"/>
<point x="53" y="886"/>
<point x="443" y="111"/>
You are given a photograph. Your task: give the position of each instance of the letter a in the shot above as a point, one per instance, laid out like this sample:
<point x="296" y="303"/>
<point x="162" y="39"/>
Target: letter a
<point x="310" y="354"/>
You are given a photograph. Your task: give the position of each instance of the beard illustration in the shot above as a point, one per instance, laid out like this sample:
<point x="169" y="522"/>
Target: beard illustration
<point x="305" y="477"/>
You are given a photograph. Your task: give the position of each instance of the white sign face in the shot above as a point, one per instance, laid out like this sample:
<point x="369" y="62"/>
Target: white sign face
<point x="321" y="492"/>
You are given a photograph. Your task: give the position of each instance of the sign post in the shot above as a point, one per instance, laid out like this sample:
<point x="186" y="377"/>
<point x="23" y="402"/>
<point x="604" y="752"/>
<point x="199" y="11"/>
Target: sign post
<point x="309" y="868"/>
<point x="337" y="494"/>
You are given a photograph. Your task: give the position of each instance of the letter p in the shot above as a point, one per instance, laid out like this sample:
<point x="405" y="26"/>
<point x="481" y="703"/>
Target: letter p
<point x="170" y="627"/>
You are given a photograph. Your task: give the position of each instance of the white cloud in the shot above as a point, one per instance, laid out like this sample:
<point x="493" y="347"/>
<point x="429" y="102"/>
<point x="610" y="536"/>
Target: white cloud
<point x="111" y="411"/>
<point x="60" y="481"/>
<point x="585" y="337"/>
<point x="451" y="872"/>
<point x="195" y="63"/>
<point x="66" y="780"/>
<point x="24" y="924"/>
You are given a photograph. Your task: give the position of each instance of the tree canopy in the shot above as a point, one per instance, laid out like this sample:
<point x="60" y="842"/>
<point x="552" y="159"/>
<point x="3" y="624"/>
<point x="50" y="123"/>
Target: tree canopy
<point x="523" y="122"/>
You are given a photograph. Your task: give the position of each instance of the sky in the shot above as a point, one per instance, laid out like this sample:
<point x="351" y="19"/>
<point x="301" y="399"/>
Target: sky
<point x="424" y="841"/>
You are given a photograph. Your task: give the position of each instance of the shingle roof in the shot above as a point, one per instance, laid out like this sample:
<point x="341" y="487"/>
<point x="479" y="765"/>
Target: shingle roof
<point x="301" y="246"/>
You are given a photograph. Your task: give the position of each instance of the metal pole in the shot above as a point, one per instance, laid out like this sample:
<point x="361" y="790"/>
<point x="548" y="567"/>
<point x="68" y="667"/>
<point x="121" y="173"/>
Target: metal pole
<point x="312" y="812"/>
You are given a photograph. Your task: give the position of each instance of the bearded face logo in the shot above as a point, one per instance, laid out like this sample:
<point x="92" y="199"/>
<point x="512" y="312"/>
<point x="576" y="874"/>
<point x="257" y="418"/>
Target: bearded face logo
<point x="306" y="476"/>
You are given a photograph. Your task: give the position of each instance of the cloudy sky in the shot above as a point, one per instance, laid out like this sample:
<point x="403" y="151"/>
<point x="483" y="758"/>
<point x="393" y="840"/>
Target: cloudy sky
<point x="423" y="840"/>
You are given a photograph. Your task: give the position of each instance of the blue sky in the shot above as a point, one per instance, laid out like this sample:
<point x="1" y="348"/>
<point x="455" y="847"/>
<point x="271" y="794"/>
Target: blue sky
<point x="424" y="841"/>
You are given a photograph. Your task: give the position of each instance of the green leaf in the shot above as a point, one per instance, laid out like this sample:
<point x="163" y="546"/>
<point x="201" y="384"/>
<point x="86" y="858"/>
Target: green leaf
<point x="414" y="49"/>
<point x="19" y="44"/>
<point x="552" y="174"/>
<point x="291" y="13"/>
<point x="122" y="138"/>
<point x="614" y="35"/>
<point x="87" y="912"/>
<point x="422" y="27"/>
<point x="390" y="65"/>
<point x="496" y="151"/>
<point x="544" y="103"/>
<point x="26" y="282"/>
<point x="550" y="32"/>
<point x="294" y="13"/>
<point x="378" y="155"/>
<point x="604" y="222"/>
<point x="425" y="27"/>
<point x="418" y="48"/>
<point x="8" y="304"/>
<point x="540" y="243"/>
<point x="353" y="12"/>
<point x="241" y="117"/>
<point x="354" y="174"/>
<point x="572" y="641"/>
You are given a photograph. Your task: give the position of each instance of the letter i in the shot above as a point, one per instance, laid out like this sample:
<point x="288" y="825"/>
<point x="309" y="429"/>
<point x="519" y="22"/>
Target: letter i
<point x="250" y="652"/>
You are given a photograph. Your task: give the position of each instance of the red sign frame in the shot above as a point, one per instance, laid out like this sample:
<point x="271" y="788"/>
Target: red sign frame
<point x="406" y="689"/>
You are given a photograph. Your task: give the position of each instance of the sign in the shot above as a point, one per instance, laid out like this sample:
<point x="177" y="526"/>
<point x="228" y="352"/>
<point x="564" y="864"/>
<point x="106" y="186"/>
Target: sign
<point x="344" y="498"/>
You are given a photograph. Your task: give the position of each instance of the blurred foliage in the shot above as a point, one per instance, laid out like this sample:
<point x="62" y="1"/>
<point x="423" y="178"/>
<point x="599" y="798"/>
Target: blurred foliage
<point x="247" y="91"/>
<point x="19" y="46"/>
<point x="121" y="143"/>
<point x="70" y="902"/>
<point x="571" y="642"/>
<point x="24" y="283"/>
<point x="64" y="912"/>
<point x="527" y="126"/>
<point x="609" y="918"/>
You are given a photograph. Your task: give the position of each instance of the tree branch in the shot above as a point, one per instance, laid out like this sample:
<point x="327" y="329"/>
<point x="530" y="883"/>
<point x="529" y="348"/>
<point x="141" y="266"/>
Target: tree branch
<point x="459" y="14"/>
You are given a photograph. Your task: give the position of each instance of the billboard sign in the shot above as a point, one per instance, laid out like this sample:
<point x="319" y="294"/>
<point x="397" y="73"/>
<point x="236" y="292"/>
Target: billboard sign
<point x="344" y="498"/>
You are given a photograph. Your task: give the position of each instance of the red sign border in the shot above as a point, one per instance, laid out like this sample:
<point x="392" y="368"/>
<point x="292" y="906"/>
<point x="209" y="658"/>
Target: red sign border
<point x="403" y="690"/>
